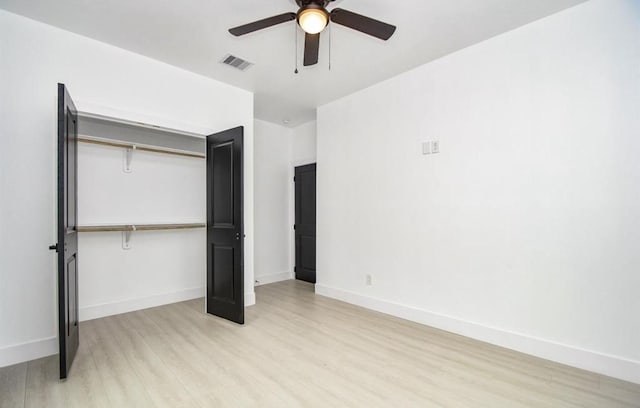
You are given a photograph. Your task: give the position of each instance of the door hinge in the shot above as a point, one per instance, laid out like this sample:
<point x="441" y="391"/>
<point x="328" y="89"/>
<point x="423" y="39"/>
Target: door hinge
<point x="294" y="179"/>
<point x="295" y="269"/>
<point x="294" y="227"/>
<point x="53" y="247"/>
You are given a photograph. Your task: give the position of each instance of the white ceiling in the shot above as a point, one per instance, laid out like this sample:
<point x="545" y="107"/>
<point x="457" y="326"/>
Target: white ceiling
<point x="192" y="34"/>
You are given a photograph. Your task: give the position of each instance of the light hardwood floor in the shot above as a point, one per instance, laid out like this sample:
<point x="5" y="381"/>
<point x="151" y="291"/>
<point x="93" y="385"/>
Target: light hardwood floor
<point x="296" y="350"/>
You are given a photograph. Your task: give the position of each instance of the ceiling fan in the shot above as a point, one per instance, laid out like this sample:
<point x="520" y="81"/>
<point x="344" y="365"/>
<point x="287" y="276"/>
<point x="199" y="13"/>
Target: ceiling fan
<point x="313" y="17"/>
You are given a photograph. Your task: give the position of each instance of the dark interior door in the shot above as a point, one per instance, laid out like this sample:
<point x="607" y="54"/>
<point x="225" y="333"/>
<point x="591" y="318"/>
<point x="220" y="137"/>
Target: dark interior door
<point x="67" y="246"/>
<point x="225" y="229"/>
<point x="305" y="222"/>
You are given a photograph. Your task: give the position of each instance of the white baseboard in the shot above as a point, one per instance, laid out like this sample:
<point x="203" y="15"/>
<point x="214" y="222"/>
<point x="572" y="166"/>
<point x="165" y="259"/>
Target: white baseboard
<point x="609" y="365"/>
<point x="276" y="277"/>
<point x="30" y="350"/>
<point x="129" y="305"/>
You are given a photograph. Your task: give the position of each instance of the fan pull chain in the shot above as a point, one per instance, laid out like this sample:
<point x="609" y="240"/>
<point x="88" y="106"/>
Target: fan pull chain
<point x="295" y="34"/>
<point x="330" y="30"/>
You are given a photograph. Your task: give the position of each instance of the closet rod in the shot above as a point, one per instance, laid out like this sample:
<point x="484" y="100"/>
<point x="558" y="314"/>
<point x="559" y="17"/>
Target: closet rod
<point x="139" y="147"/>
<point x="135" y="227"/>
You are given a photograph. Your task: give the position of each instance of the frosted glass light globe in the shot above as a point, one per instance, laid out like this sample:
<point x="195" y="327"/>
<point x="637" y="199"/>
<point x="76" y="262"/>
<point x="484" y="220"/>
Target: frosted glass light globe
<point x="312" y="21"/>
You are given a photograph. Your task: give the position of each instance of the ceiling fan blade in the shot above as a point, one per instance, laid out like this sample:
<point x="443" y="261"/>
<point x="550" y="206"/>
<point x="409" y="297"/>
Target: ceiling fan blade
<point x="311" y="49"/>
<point x="362" y="23"/>
<point x="264" y="23"/>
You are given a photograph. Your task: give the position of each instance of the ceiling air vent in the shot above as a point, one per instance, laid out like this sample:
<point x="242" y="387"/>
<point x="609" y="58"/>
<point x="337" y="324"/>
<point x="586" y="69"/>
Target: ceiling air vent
<point x="236" y="62"/>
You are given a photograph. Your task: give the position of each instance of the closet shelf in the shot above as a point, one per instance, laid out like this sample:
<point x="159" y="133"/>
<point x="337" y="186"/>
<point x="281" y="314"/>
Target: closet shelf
<point x="136" y="227"/>
<point x="144" y="148"/>
<point x="137" y="124"/>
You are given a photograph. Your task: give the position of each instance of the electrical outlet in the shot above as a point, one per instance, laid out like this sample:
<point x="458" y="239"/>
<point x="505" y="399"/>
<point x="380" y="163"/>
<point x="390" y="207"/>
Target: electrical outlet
<point x="435" y="146"/>
<point x="368" y="280"/>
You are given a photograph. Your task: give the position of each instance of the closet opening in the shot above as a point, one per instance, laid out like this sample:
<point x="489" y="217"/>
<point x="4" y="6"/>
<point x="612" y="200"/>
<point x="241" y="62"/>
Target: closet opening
<point x="140" y="212"/>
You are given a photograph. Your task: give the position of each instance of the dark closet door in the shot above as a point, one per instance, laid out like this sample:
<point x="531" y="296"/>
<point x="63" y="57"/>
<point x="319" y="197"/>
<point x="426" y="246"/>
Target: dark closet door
<point x="305" y="223"/>
<point x="67" y="246"/>
<point x="225" y="233"/>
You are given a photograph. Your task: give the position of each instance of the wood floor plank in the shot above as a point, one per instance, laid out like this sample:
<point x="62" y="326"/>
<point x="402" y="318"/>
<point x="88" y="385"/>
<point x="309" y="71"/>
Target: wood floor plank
<point x="123" y="387"/>
<point x="44" y="389"/>
<point x="12" y="386"/>
<point x="298" y="349"/>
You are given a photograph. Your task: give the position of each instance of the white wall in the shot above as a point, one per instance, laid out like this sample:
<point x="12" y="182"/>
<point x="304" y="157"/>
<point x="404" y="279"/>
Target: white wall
<point x="272" y="188"/>
<point x="33" y="58"/>
<point x="524" y="230"/>
<point x="303" y="143"/>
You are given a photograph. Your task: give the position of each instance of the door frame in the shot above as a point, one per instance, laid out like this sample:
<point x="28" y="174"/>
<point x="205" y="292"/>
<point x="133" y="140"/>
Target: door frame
<point x="292" y="211"/>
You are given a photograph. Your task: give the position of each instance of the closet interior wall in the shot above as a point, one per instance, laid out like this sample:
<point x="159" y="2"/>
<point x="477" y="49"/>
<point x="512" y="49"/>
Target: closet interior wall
<point x="159" y="266"/>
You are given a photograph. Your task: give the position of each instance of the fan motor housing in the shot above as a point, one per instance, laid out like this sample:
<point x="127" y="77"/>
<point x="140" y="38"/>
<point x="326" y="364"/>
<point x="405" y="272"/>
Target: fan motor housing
<point x="307" y="3"/>
<point x="312" y="6"/>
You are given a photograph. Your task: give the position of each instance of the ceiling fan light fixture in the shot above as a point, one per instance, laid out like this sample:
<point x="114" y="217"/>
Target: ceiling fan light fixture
<point x="312" y="17"/>
<point x="313" y="20"/>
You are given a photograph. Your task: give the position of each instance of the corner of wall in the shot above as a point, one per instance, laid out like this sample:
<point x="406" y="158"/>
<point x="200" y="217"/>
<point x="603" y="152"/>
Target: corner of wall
<point x="249" y="298"/>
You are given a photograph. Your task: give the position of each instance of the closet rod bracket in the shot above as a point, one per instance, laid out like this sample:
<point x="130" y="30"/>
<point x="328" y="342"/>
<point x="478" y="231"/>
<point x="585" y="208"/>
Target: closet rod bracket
<point x="126" y="237"/>
<point x="128" y="157"/>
